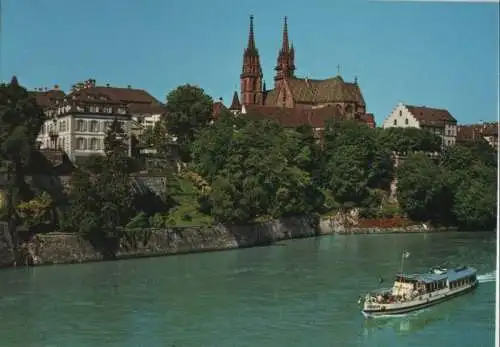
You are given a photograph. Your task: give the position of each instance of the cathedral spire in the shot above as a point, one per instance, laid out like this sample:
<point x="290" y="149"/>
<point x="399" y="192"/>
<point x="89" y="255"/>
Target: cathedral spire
<point x="285" y="45"/>
<point x="251" y="37"/>
<point x="251" y="74"/>
<point x="285" y="66"/>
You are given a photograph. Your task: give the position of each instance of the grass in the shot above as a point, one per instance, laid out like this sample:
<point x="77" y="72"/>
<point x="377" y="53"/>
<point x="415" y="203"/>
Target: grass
<point x="187" y="213"/>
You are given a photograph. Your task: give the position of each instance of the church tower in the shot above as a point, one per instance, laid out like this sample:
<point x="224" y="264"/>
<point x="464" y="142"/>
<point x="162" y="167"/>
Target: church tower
<point x="251" y="74"/>
<point x="285" y="66"/>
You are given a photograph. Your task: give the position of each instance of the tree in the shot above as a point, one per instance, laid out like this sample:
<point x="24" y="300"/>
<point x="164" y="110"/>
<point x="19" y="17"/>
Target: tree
<point x="353" y="163"/>
<point x="100" y="196"/>
<point x="470" y="177"/>
<point x="475" y="199"/>
<point x="419" y="187"/>
<point x="408" y="140"/>
<point x="115" y="146"/>
<point x="256" y="168"/>
<point x="20" y="121"/>
<point x="189" y="109"/>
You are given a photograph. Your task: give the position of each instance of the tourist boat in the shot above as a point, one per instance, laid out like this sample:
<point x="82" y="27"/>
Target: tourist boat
<point x="414" y="292"/>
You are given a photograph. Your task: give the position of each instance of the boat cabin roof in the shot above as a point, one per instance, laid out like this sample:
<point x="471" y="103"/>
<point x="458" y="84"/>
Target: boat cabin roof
<point x="451" y="275"/>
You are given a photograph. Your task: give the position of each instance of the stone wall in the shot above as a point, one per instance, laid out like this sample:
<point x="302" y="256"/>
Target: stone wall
<point x="59" y="248"/>
<point x="64" y="248"/>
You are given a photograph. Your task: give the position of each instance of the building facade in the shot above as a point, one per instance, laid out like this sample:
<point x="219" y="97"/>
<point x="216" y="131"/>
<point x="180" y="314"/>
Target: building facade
<point x="437" y="121"/>
<point x="473" y="132"/>
<point x="77" y="122"/>
<point x="313" y="98"/>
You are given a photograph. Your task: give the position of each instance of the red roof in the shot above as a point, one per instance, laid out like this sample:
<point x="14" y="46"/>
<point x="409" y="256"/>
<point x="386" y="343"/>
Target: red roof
<point x="136" y="100"/>
<point x="429" y="116"/>
<point x="473" y="131"/>
<point x="48" y="98"/>
<point x="294" y="117"/>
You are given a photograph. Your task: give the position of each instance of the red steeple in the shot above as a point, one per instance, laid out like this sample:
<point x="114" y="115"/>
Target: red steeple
<point x="285" y="66"/>
<point x="251" y="74"/>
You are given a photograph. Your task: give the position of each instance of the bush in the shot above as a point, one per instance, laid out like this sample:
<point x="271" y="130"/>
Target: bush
<point x="157" y="221"/>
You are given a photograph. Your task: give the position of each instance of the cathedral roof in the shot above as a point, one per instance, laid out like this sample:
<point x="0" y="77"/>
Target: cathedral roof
<point x="294" y="117"/>
<point x="334" y="89"/>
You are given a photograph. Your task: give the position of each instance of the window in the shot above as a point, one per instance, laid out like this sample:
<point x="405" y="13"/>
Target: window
<point x="80" y="143"/>
<point x="400" y="113"/>
<point x="94" y="126"/>
<point x="94" y="144"/>
<point x="406" y="121"/>
<point x="395" y="122"/>
<point x="80" y="125"/>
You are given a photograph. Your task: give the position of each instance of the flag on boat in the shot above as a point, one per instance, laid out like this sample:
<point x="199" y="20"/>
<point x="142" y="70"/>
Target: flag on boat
<point x="406" y="254"/>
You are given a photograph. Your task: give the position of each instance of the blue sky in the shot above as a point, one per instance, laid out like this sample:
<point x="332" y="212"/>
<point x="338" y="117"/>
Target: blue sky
<point x="444" y="55"/>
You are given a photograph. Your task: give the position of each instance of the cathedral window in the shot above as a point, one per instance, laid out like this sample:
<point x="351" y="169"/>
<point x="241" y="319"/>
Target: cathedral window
<point x="395" y="122"/>
<point x="406" y="121"/>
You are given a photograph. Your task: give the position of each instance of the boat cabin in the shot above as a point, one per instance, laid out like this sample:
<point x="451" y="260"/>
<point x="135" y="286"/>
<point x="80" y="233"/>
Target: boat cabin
<point x="410" y="285"/>
<point x="462" y="276"/>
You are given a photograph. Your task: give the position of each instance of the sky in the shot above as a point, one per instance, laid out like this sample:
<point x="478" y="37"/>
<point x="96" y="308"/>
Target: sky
<point x="443" y="55"/>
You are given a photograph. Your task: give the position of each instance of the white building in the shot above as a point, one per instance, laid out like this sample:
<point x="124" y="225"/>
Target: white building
<point x="77" y="123"/>
<point x="438" y="121"/>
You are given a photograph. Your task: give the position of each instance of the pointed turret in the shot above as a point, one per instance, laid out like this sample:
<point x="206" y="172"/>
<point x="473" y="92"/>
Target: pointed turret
<point x="13" y="81"/>
<point x="251" y="38"/>
<point x="285" y="66"/>
<point x="235" y="104"/>
<point x="285" y="47"/>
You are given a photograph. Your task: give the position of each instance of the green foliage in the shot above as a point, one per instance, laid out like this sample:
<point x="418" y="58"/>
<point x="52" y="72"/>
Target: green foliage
<point x="353" y="163"/>
<point x="459" y="190"/>
<point x="419" y="186"/>
<point x="36" y="211"/>
<point x="20" y="121"/>
<point x="157" y="221"/>
<point x="189" y="110"/>
<point x="408" y="140"/>
<point x="156" y="137"/>
<point x="141" y="220"/>
<point x="256" y="169"/>
<point x="100" y="197"/>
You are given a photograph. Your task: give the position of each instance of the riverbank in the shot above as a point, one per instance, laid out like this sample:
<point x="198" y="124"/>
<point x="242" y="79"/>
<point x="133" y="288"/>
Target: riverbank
<point x="67" y="248"/>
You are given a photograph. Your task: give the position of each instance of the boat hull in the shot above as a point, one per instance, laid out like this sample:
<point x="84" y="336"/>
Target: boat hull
<point x="387" y="310"/>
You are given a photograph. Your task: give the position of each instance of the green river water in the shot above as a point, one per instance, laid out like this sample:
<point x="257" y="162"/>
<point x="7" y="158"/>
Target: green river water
<point x="297" y="293"/>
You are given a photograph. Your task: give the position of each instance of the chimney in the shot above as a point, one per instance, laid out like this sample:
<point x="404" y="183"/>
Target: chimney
<point x="220" y="99"/>
<point x="56" y="86"/>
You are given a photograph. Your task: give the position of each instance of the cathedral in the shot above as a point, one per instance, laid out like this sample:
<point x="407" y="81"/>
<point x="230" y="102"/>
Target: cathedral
<point x="294" y="101"/>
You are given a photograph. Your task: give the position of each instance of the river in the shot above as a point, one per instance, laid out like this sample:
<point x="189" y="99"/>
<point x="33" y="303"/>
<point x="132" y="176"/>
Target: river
<point x="297" y="293"/>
